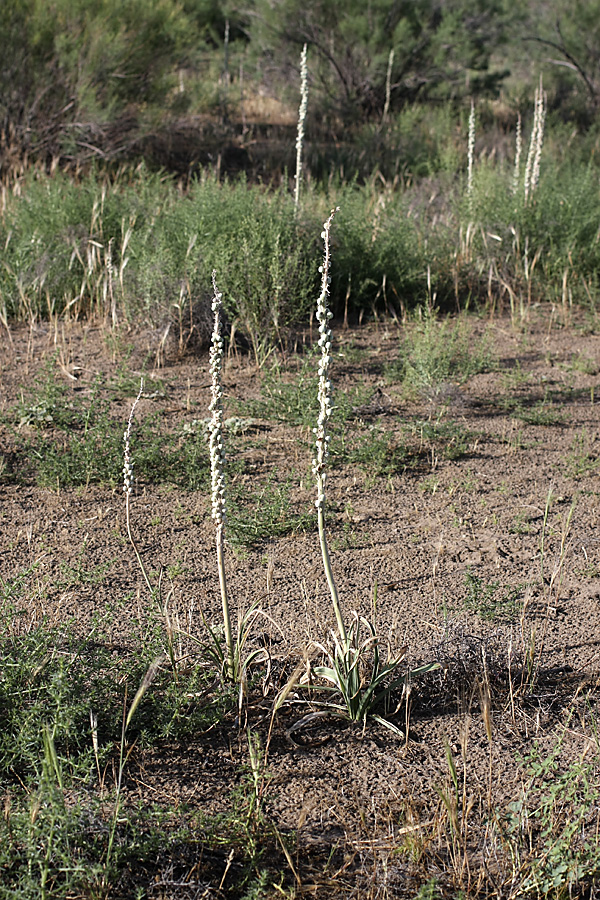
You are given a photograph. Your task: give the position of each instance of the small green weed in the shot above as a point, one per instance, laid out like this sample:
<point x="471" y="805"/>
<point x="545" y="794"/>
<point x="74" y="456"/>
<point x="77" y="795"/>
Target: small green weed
<point x="347" y="540"/>
<point x="429" y="891"/>
<point x="377" y="452"/>
<point x="449" y="439"/>
<point x="271" y="515"/>
<point x="436" y="352"/>
<point x="580" y="460"/>
<point x="551" y="829"/>
<point x="524" y="523"/>
<point x="489" y="601"/>
<point x="542" y="412"/>
<point x="82" y="574"/>
<point x="580" y="362"/>
<point x="515" y="377"/>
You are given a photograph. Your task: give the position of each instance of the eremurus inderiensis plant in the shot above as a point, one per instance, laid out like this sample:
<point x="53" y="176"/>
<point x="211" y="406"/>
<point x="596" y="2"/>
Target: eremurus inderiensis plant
<point x="217" y="465"/>
<point x="321" y="432"/>
<point x="355" y="669"/>
<point x="232" y="663"/>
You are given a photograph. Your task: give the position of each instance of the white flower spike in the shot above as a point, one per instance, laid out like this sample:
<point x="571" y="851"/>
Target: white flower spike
<point x="215" y="428"/>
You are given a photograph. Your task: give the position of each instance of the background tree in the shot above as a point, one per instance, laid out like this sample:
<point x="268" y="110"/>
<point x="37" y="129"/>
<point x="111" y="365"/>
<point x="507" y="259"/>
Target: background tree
<point x="70" y="67"/>
<point x="443" y="48"/>
<point x="35" y="95"/>
<point x="566" y="34"/>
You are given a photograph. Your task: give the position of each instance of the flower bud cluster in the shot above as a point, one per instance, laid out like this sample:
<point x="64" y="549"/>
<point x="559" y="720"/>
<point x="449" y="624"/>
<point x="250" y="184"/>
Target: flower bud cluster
<point x="471" y="150"/>
<point x="324" y="316"/>
<point x="518" y="152"/>
<point x="532" y="166"/>
<point x="127" y="460"/>
<point x="215" y="427"/>
<point x="301" y="118"/>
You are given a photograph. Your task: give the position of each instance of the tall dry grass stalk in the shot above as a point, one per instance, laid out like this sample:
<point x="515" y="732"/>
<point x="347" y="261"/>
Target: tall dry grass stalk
<point x="301" y="118"/>
<point x="217" y="465"/>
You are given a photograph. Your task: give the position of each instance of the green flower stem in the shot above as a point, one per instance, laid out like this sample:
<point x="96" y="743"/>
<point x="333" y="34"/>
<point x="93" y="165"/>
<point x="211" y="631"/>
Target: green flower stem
<point x="135" y="548"/>
<point x="329" y="575"/>
<point x="225" y="601"/>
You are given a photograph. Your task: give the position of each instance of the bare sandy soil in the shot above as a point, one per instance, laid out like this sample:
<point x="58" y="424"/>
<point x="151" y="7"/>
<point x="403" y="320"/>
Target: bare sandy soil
<point x="478" y="537"/>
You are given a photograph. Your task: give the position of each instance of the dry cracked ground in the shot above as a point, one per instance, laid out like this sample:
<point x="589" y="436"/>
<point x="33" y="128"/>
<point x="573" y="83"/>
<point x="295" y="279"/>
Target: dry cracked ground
<point x="463" y="520"/>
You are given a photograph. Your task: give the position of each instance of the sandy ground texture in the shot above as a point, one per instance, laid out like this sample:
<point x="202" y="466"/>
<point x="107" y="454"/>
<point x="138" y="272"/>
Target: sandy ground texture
<point x="472" y="541"/>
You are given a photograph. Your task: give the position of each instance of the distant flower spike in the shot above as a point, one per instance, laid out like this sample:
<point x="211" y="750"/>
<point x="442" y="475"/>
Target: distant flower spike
<point x="471" y="150"/>
<point x="518" y="153"/>
<point x="301" y="118"/>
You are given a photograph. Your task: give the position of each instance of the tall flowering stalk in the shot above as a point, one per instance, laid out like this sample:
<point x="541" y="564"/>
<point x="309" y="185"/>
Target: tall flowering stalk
<point x="471" y="151"/>
<point x="354" y="667"/>
<point x="217" y="464"/>
<point x="322" y="438"/>
<point x="128" y="461"/>
<point x="128" y="480"/>
<point x="518" y="154"/>
<point x="532" y="166"/>
<point x="541" y="118"/>
<point x="301" y="118"/>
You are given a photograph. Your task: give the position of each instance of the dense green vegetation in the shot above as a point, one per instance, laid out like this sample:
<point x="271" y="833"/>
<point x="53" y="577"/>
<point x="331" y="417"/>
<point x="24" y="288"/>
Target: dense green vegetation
<point x="98" y="100"/>
<point x="80" y="79"/>
<point x="136" y="245"/>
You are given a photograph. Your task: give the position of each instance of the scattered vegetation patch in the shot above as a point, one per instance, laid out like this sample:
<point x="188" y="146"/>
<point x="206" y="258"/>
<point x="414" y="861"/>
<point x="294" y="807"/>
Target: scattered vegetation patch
<point x="271" y="513"/>
<point x="62" y="438"/>
<point x="490" y="601"/>
<point x="434" y="353"/>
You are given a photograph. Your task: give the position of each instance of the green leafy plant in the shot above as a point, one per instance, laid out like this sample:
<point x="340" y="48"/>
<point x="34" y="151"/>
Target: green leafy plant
<point x="580" y="460"/>
<point x="272" y="514"/>
<point x="542" y="412"/>
<point x="377" y="452"/>
<point x="434" y="353"/>
<point x="357" y="672"/>
<point x="231" y="657"/>
<point x="446" y="438"/>
<point x="489" y="601"/>
<point x="550" y="830"/>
